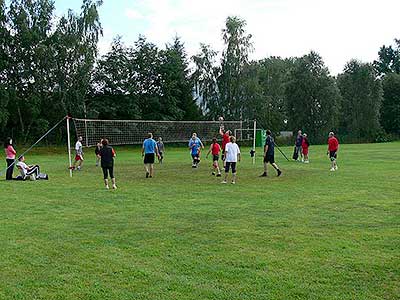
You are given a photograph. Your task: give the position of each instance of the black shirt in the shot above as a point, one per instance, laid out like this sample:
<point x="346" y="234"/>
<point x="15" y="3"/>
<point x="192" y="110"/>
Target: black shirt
<point x="269" y="141"/>
<point x="107" y="156"/>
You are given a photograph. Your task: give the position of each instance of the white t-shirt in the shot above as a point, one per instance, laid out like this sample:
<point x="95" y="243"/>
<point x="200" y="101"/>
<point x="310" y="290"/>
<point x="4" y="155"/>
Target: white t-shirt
<point x="78" y="148"/>
<point x="22" y="167"/>
<point x="232" y="150"/>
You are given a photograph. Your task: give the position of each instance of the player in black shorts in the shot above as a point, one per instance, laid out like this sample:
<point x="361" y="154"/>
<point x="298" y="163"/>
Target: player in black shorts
<point x="269" y="155"/>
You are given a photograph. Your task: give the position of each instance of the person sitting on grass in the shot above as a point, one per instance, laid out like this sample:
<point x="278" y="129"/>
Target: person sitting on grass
<point x="27" y="171"/>
<point x="215" y="149"/>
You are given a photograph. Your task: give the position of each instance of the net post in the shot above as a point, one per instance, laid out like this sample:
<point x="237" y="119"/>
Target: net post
<point x="254" y="141"/>
<point x="69" y="147"/>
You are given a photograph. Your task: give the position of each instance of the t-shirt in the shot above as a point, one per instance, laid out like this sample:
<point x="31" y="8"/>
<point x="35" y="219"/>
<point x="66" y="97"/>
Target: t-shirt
<point x="333" y="144"/>
<point x="299" y="140"/>
<point x="194" y="146"/>
<point x="160" y="146"/>
<point x="269" y="141"/>
<point x="149" y="146"/>
<point x="225" y="140"/>
<point x="10" y="152"/>
<point x="232" y="150"/>
<point x="107" y="154"/>
<point x="22" y="167"/>
<point x="78" y="148"/>
<point x="215" y="149"/>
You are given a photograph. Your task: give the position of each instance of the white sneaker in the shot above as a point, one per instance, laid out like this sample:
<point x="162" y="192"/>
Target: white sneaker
<point x="336" y="167"/>
<point x="306" y="162"/>
<point x="233" y="182"/>
<point x="224" y="182"/>
<point x="332" y="169"/>
<point x="107" y="187"/>
<point x="114" y="187"/>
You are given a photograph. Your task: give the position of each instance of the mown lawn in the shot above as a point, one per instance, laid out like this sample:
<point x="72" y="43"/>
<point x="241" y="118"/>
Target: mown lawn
<point x="310" y="234"/>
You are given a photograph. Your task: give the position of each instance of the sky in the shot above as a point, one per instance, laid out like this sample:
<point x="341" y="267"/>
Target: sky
<point x="339" y="30"/>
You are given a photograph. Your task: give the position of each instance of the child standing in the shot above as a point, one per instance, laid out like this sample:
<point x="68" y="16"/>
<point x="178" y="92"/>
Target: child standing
<point x="161" y="150"/>
<point x="97" y="153"/>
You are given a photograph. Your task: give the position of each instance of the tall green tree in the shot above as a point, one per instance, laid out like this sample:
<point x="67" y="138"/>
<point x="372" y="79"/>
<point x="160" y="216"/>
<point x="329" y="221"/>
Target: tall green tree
<point x="361" y="100"/>
<point x="4" y="62"/>
<point x="389" y="59"/>
<point x="234" y="58"/>
<point x="390" y="111"/>
<point x="312" y="97"/>
<point x="205" y="75"/>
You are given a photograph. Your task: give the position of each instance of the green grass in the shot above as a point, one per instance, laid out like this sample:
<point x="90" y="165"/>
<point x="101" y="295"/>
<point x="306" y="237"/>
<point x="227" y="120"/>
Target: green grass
<point x="310" y="234"/>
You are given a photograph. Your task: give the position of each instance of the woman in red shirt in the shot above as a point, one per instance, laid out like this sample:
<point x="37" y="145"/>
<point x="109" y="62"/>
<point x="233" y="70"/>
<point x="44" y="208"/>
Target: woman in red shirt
<point x="215" y="149"/>
<point x="10" y="158"/>
<point x="304" y="145"/>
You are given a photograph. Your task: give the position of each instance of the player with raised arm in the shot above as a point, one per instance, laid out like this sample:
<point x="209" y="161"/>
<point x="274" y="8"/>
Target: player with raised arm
<point x="78" y="154"/>
<point x="232" y="156"/>
<point x="215" y="149"/>
<point x="333" y="148"/>
<point x="225" y="139"/>
<point x="195" y="146"/>
<point x="269" y="155"/>
<point x="149" y="151"/>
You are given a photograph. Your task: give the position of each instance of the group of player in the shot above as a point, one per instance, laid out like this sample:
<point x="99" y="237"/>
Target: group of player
<point x="229" y="152"/>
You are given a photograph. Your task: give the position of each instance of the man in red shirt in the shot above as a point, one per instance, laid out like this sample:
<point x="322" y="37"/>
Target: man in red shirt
<point x="333" y="147"/>
<point x="225" y="139"/>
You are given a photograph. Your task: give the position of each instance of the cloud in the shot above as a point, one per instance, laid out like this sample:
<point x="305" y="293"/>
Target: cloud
<point x="133" y="14"/>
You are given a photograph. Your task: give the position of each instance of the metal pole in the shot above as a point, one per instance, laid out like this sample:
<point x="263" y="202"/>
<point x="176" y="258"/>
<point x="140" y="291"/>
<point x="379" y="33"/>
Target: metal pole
<point x="69" y="148"/>
<point x="254" y="141"/>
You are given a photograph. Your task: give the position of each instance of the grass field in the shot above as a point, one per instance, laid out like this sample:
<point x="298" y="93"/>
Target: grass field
<point x="310" y="234"/>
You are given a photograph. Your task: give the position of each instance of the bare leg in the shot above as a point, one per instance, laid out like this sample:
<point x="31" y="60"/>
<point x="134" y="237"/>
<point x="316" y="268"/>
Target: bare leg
<point x="151" y="170"/>
<point x="234" y="178"/>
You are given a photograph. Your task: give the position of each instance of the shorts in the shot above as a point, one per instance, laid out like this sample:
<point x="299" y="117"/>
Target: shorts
<point x="230" y="165"/>
<point x="149" y="158"/>
<point x="269" y="159"/>
<point x="305" y="151"/>
<point x="333" y="155"/>
<point x="78" y="157"/>
<point x="215" y="157"/>
<point x="108" y="170"/>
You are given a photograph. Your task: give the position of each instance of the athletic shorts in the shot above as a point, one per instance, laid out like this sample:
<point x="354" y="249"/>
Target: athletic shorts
<point x="149" y="158"/>
<point x="108" y="170"/>
<point x="215" y="157"/>
<point x="78" y="157"/>
<point x="333" y="155"/>
<point x="230" y="165"/>
<point x="269" y="159"/>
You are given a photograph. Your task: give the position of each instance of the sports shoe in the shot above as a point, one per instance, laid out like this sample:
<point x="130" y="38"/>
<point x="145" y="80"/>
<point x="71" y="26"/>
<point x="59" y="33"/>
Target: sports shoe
<point x="233" y="182"/>
<point x="147" y="174"/>
<point x="306" y="162"/>
<point x="219" y="175"/>
<point x="336" y="167"/>
<point x="332" y="169"/>
<point x="114" y="187"/>
<point x="107" y="187"/>
<point x="213" y="173"/>
<point x="279" y="173"/>
<point x="224" y="182"/>
<point x="263" y="174"/>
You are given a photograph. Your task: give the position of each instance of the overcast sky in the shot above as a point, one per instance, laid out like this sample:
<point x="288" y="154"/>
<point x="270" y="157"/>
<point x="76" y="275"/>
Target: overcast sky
<point x="338" y="30"/>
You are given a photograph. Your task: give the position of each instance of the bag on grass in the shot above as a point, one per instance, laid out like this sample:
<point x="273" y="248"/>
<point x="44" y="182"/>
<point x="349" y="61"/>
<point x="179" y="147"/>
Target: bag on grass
<point x="43" y="176"/>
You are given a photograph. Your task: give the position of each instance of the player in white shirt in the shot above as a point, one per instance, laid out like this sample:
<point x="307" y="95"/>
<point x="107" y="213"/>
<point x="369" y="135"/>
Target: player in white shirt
<point x="78" y="154"/>
<point x="232" y="156"/>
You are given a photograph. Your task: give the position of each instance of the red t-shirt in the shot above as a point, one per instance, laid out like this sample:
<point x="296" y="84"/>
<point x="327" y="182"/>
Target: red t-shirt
<point x="225" y="140"/>
<point x="333" y="144"/>
<point x="216" y="148"/>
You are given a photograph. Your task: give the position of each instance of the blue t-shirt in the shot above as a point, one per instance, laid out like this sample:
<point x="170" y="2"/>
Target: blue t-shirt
<point x="149" y="146"/>
<point x="299" y="140"/>
<point x="196" y="145"/>
<point x="269" y="141"/>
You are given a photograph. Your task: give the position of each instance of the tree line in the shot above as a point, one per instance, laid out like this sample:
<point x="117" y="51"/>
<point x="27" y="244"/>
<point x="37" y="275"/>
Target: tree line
<point x="50" y="66"/>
